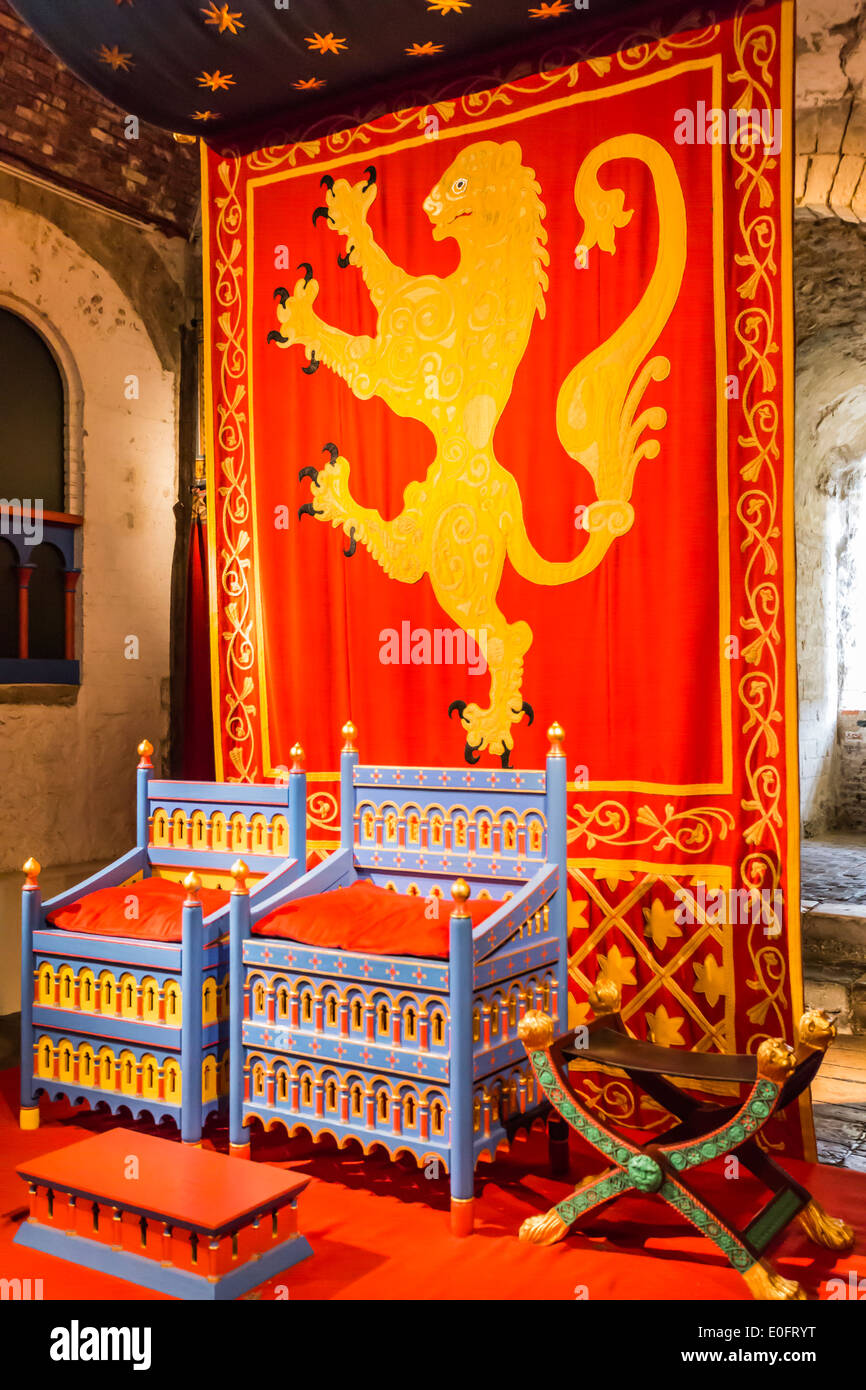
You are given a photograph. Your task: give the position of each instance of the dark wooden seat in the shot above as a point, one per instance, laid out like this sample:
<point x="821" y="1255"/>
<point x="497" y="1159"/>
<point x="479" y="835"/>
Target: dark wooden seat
<point x="611" y="1048"/>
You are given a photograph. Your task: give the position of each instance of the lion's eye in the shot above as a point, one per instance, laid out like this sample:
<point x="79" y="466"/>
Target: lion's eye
<point x="459" y="185"/>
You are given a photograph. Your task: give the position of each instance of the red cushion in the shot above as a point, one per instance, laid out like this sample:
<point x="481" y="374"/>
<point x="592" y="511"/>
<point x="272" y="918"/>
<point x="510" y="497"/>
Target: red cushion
<point x="108" y="911"/>
<point x="370" y="919"/>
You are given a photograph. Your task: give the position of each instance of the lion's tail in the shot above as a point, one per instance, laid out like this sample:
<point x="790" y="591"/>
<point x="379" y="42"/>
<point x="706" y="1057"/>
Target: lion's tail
<point x="597" y="402"/>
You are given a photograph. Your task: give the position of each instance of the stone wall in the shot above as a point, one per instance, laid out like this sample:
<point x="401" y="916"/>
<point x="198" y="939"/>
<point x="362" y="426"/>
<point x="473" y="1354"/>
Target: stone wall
<point x="830" y="403"/>
<point x="67" y="758"/>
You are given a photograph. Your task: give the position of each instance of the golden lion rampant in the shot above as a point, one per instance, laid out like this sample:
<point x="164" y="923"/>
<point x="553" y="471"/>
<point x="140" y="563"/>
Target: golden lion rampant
<point x="445" y="353"/>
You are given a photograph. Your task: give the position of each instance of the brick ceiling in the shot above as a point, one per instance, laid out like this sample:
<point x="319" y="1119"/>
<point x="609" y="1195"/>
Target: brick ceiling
<point x="54" y="126"/>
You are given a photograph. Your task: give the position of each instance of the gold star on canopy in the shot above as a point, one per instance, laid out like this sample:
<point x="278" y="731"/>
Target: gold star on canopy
<point x="549" y="11"/>
<point x="423" y="50"/>
<point x="216" y="81"/>
<point x="660" y="924"/>
<point x="709" y="980"/>
<point x="204" y="115"/>
<point x="325" y="43"/>
<point x="449" y="6"/>
<point x="224" y="17"/>
<point x="308" y="84"/>
<point x="114" y="58"/>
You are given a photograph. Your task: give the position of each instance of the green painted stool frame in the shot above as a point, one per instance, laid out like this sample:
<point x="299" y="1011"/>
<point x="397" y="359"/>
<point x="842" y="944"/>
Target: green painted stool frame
<point x="776" y="1076"/>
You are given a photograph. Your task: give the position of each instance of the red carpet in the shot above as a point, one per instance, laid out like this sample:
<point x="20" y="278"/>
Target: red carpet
<point x="380" y="1231"/>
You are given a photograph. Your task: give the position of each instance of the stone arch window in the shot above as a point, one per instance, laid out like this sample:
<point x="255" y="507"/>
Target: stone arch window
<point x="41" y="405"/>
<point x="357" y="1095"/>
<point x="357" y="1014"/>
<point x="282" y="1084"/>
<point x="282" y="1002"/>
<point x="331" y="1011"/>
<point x="437" y="1117"/>
<point x="307" y="1090"/>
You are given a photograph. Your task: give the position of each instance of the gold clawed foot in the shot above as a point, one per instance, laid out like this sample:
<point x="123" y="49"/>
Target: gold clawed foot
<point x="823" y="1229"/>
<point x="546" y="1229"/>
<point x="766" y="1285"/>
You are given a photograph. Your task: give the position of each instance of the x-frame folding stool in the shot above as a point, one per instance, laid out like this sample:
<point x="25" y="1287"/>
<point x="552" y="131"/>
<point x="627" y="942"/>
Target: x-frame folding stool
<point x="776" y="1075"/>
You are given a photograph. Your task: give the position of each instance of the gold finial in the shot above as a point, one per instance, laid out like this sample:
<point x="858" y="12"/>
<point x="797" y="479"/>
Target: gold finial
<point x="240" y="872"/>
<point x="180" y="139"/>
<point x="604" y="997"/>
<point x="192" y="884"/>
<point x="296" y="753"/>
<point x="535" y="1030"/>
<point x="350" y="733"/>
<point x="775" y="1060"/>
<point x="556" y="734"/>
<point x="816" y="1031"/>
<point x="145" y="748"/>
<point x="32" y="869"/>
<point x="460" y="891"/>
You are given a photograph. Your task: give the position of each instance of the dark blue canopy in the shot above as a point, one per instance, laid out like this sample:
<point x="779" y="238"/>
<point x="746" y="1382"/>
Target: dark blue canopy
<point x="214" y="67"/>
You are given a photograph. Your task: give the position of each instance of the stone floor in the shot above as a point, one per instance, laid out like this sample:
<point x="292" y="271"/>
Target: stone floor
<point x="833" y="869"/>
<point x="839" y="1104"/>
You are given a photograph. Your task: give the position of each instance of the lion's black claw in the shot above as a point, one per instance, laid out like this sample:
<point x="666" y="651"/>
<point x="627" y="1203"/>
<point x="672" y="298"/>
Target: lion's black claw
<point x="458" y="705"/>
<point x="352" y="544"/>
<point x="308" y="472"/>
<point x="275" y="336"/>
<point x="527" y="709"/>
<point x="468" y="752"/>
<point x="343" y="261"/>
<point x="281" y="294"/>
<point x="321" y="212"/>
<point x="308" y="271"/>
<point x="506" y="758"/>
<point x="326" y="181"/>
<point x="371" y="177"/>
<point x="313" y="366"/>
<point x="330" y="449"/>
<point x="307" y="510"/>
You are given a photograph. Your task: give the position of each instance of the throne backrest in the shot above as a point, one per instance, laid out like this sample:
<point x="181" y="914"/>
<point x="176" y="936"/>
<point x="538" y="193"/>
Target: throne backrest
<point x="422" y="824"/>
<point x="206" y="826"/>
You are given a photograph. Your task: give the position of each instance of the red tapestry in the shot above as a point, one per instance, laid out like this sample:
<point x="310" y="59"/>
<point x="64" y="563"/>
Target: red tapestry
<point x="501" y="435"/>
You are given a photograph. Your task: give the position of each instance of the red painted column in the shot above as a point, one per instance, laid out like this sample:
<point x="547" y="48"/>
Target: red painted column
<point x="70" y="583"/>
<point x="25" y="574"/>
<point x="344" y="1018"/>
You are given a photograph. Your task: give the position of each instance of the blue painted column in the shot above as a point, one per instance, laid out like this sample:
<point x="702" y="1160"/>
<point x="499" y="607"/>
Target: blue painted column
<point x="31" y="921"/>
<point x="557" y="853"/>
<point x="239" y="930"/>
<point x="348" y="763"/>
<point x="461" y="967"/>
<point x="190" y="1033"/>
<point x="143" y="775"/>
<point x="298" y="810"/>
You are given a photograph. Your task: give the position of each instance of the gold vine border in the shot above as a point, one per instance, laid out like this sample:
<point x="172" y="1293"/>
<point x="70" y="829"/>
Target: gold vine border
<point x="759" y="689"/>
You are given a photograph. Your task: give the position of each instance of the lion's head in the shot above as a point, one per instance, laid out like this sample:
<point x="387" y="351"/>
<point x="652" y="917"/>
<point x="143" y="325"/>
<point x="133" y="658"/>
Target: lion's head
<point x="487" y="197"/>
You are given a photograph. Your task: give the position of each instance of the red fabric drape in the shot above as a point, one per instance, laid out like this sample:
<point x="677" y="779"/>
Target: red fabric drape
<point x="198" y="743"/>
<point x="504" y="396"/>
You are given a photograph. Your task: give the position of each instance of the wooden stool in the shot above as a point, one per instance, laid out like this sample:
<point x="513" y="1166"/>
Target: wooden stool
<point x="775" y="1076"/>
<point x="172" y="1217"/>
